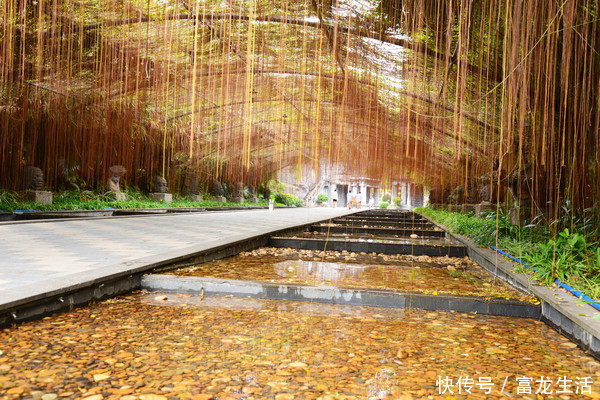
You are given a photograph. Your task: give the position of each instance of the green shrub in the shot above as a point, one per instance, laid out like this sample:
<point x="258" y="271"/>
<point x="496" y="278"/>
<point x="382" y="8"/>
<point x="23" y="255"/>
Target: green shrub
<point x="9" y="200"/>
<point x="275" y="186"/>
<point x="397" y="201"/>
<point x="288" y="199"/>
<point x="78" y="199"/>
<point x="384" y="205"/>
<point x="571" y="257"/>
<point x="322" y="198"/>
<point x="387" y="198"/>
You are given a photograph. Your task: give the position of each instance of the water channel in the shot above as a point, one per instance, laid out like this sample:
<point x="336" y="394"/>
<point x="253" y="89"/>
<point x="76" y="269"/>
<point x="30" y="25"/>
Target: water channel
<point x="151" y="345"/>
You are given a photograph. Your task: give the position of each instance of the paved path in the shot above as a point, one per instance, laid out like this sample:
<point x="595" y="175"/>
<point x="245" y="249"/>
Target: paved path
<point x="43" y="255"/>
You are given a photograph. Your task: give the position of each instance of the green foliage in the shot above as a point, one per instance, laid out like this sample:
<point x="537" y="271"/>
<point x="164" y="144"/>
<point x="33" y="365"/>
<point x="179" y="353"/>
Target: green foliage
<point x="387" y="198"/>
<point x="566" y="256"/>
<point x="288" y="199"/>
<point x="322" y="198"/>
<point x="397" y="201"/>
<point x="9" y="200"/>
<point x="275" y="186"/>
<point x="384" y="205"/>
<point x="96" y="200"/>
<point x="485" y="231"/>
<point x="570" y="256"/>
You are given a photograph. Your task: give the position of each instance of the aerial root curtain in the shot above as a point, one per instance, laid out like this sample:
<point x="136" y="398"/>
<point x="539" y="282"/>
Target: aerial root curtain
<point x="445" y="93"/>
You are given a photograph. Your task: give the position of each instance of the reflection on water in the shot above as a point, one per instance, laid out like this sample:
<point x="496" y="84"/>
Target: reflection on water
<point x="442" y="275"/>
<point x="318" y="271"/>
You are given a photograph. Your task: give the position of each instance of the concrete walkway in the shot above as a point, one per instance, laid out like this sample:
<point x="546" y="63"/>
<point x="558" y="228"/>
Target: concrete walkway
<point x="44" y="256"/>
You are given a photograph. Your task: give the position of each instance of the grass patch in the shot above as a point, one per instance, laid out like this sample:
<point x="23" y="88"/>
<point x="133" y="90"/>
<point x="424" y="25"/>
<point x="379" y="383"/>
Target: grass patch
<point x="94" y="200"/>
<point x="570" y="255"/>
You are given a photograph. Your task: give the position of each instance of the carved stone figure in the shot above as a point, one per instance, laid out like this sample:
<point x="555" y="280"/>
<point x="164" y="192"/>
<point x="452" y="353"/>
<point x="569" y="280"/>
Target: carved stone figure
<point x="32" y="183"/>
<point x="160" y="184"/>
<point x="32" y="178"/>
<point x="520" y="184"/>
<point x="238" y="192"/>
<point x="439" y="195"/>
<point x="471" y="195"/>
<point x="218" y="189"/>
<point x="192" y="185"/>
<point x="488" y="186"/>
<point x="114" y="176"/>
<point x="252" y="195"/>
<point x="458" y="195"/>
<point x="435" y="195"/>
<point x="486" y="193"/>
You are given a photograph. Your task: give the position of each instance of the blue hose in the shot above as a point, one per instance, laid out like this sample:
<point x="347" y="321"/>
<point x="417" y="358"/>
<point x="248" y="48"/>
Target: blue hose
<point x="568" y="288"/>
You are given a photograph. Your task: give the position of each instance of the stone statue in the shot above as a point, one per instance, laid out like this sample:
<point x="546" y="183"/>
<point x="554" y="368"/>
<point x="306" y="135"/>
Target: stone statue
<point x="252" y="195"/>
<point x="32" y="178"/>
<point x="439" y="195"/>
<point x="218" y="189"/>
<point x="32" y="185"/>
<point x="238" y="190"/>
<point x="520" y="184"/>
<point x="238" y="193"/>
<point x="114" y="176"/>
<point x="192" y="185"/>
<point x="160" y="184"/>
<point x="435" y="195"/>
<point x="457" y="195"/>
<point x="488" y="185"/>
<point x="217" y="192"/>
<point x="488" y="189"/>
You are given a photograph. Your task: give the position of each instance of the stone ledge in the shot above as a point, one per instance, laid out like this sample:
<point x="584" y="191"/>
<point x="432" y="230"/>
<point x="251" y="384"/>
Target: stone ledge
<point x="37" y="196"/>
<point x="164" y="197"/>
<point x="413" y="248"/>
<point x="325" y="228"/>
<point x="560" y="309"/>
<point x="335" y="295"/>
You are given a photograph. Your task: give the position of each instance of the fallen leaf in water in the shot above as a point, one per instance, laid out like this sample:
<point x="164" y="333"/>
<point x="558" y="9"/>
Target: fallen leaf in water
<point x="401" y="354"/>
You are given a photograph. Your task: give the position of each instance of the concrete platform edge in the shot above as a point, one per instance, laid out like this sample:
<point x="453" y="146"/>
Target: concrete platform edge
<point x="25" y="303"/>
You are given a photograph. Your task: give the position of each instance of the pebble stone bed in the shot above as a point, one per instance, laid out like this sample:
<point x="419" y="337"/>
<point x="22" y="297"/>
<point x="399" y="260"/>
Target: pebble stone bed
<point x="151" y="346"/>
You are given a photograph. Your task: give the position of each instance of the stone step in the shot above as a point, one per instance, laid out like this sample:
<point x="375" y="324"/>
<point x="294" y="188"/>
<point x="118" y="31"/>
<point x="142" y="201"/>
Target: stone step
<point x="334" y="295"/>
<point x="376" y="223"/>
<point x="383" y="219"/>
<point x="400" y="246"/>
<point x="324" y="228"/>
